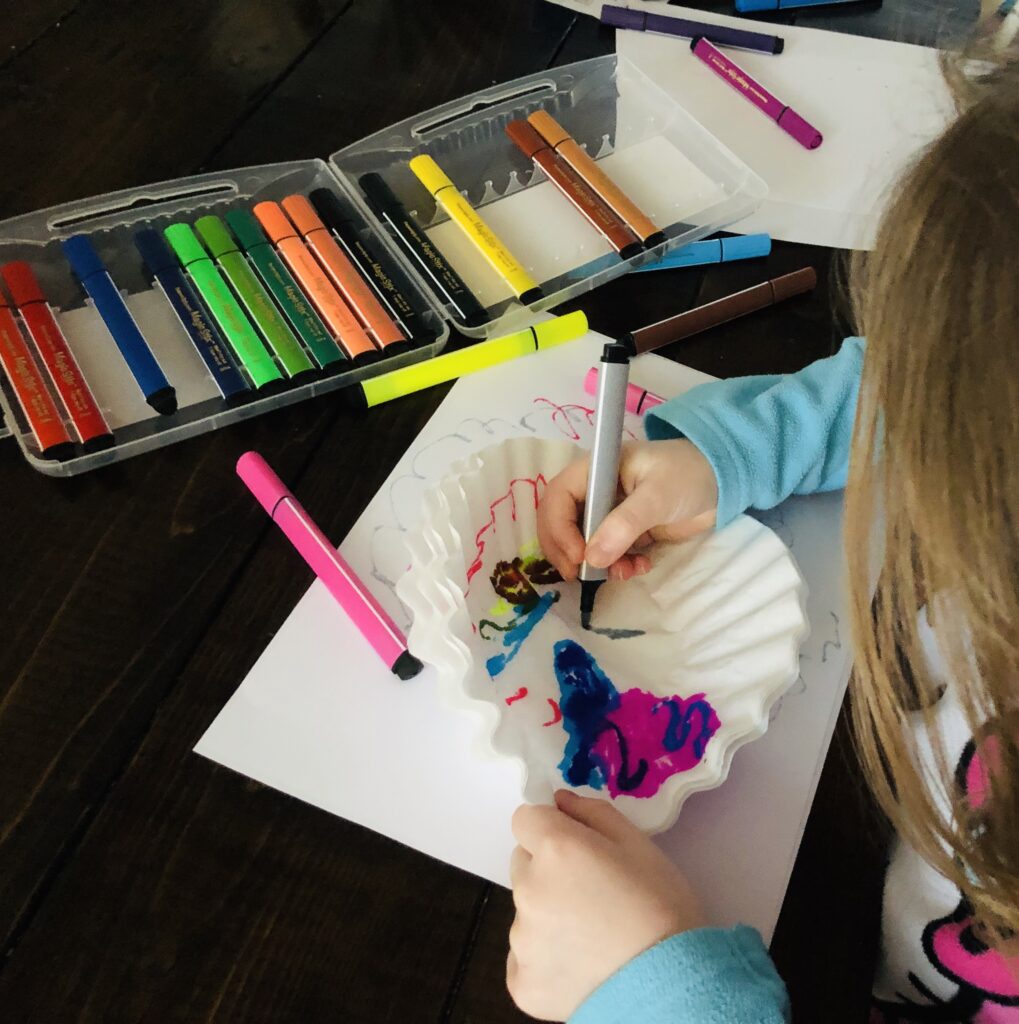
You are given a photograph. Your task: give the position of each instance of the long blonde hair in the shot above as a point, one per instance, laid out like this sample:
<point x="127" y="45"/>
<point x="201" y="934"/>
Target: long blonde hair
<point x="933" y="493"/>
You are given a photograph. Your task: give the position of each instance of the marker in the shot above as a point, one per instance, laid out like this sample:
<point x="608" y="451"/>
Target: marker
<point x="730" y="72"/>
<point x="225" y="310"/>
<point x="585" y="200"/>
<point x="29" y="388"/>
<point x="379" y="325"/>
<point x="328" y="565"/>
<point x="714" y="250"/>
<point x="469" y="221"/>
<point x="257" y="301"/>
<point x="285" y="290"/>
<point x="641" y="21"/>
<point x="638" y="400"/>
<point x="409" y="379"/>
<point x="755" y="6"/>
<point x="373" y="268"/>
<point x="326" y="299"/>
<point x="603" y="475"/>
<point x="110" y="305"/>
<point x="446" y="282"/>
<point x="599" y="182"/>
<point x="91" y="426"/>
<point x="693" y="321"/>
<point x="205" y="338"/>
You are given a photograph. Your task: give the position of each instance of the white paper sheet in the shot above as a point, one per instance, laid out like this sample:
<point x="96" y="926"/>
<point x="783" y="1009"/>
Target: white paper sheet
<point x="877" y="103"/>
<point x="320" y="718"/>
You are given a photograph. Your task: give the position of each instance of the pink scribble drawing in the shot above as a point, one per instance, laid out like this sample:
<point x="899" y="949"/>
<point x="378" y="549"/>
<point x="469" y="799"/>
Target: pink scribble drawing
<point x="557" y="715"/>
<point x="519" y="695"/>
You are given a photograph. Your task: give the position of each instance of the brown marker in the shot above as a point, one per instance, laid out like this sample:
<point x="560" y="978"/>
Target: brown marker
<point x="587" y="202"/>
<point x="693" y="321"/>
<point x="610" y="193"/>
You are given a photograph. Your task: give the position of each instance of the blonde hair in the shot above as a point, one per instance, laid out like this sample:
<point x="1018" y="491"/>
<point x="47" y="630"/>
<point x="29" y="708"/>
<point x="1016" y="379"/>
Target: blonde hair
<point x="933" y="491"/>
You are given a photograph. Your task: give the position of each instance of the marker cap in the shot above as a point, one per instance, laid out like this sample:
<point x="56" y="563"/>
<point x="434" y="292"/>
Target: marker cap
<point x="22" y="283"/>
<point x="745" y="247"/>
<point x="562" y="328"/>
<point x="302" y="213"/>
<point x="276" y="223"/>
<point x="749" y="6"/>
<point x="245" y="228"/>
<point x="214" y="234"/>
<point x="263" y="483"/>
<point x="429" y="173"/>
<point x="623" y="17"/>
<point x="799" y="128"/>
<point x="329" y="207"/>
<point x="184" y="243"/>
<point x="154" y="251"/>
<point x="550" y="129"/>
<point x="82" y="256"/>
<point x="526" y="137"/>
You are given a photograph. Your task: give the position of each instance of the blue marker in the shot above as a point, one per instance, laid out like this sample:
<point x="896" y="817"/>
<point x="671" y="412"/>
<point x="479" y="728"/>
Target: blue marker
<point x="109" y="303"/>
<point x="715" y="250"/>
<point x="204" y="335"/>
<point x="754" y="6"/>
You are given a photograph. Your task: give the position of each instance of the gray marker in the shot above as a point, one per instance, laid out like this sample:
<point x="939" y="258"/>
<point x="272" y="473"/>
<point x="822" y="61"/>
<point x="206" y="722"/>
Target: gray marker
<point x="603" y="477"/>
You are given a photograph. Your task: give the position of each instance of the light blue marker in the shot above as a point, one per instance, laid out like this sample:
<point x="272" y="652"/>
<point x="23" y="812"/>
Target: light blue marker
<point x="753" y="6"/>
<point x="715" y="250"/>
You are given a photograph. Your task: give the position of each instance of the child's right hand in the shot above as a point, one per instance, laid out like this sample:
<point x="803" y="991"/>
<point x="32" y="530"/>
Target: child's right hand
<point x="669" y="492"/>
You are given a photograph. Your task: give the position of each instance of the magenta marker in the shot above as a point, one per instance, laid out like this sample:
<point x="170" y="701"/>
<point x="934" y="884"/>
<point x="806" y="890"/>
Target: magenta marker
<point x="638" y="400"/>
<point x="327" y="564"/>
<point x="784" y="116"/>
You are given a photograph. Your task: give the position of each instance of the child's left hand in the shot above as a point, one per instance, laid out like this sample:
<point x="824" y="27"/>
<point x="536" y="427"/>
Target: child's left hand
<point x="591" y="892"/>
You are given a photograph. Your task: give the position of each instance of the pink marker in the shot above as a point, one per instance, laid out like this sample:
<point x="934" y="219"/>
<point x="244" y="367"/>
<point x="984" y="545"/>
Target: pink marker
<point x="340" y="580"/>
<point x="784" y="116"/>
<point x="638" y="400"/>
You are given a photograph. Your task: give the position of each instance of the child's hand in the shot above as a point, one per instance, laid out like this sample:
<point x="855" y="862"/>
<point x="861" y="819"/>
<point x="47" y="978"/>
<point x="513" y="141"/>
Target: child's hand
<point x="670" y="493"/>
<point x="591" y="892"/>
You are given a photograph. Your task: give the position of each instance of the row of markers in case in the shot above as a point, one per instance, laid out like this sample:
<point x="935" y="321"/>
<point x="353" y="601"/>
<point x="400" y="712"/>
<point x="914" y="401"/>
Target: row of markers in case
<point x="268" y="296"/>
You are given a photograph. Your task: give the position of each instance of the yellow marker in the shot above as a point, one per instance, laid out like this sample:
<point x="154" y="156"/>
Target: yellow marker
<point x="485" y="240"/>
<point x="548" y="334"/>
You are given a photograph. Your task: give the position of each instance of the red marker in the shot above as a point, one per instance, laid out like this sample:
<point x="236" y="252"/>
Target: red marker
<point x="63" y="369"/>
<point x="30" y="389"/>
<point x="638" y="400"/>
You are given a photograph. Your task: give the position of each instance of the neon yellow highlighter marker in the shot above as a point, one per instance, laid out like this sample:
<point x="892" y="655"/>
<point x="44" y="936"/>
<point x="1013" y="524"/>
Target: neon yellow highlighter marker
<point x="485" y="240"/>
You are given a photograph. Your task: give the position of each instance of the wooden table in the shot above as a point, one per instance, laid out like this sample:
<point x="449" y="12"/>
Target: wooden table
<point x="138" y="882"/>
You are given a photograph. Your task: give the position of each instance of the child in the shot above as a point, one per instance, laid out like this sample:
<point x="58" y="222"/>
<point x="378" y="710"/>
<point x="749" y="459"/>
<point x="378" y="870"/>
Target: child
<point x="607" y="931"/>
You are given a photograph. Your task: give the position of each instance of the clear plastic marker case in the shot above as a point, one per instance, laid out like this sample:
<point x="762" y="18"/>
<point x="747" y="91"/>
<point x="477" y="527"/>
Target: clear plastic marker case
<point x="686" y="181"/>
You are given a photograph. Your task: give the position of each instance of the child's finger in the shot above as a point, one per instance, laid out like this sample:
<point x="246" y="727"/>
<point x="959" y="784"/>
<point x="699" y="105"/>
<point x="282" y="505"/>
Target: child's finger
<point x="531" y="823"/>
<point x="519" y="861"/>
<point x="558" y="533"/>
<point x="627" y="522"/>
<point x="596" y="814"/>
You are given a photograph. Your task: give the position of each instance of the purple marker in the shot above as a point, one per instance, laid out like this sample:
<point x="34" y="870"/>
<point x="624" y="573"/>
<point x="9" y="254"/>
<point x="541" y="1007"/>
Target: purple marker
<point x="784" y="116"/>
<point x="642" y="21"/>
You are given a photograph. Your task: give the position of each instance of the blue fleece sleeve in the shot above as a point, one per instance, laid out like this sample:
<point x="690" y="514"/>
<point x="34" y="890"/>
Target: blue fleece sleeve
<point x="705" y="976"/>
<point x="772" y="436"/>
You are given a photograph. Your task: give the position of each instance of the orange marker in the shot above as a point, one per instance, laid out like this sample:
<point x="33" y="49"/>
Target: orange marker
<point x="344" y="275"/>
<point x="327" y="301"/>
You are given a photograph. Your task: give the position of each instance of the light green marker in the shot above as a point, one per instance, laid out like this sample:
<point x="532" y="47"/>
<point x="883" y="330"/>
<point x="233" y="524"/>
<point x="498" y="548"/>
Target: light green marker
<point x="226" y="311"/>
<point x="255" y="298"/>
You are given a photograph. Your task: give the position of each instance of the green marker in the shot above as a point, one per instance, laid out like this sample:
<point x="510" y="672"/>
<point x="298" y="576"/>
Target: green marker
<point x="284" y="288"/>
<point x="256" y="299"/>
<point x="236" y="327"/>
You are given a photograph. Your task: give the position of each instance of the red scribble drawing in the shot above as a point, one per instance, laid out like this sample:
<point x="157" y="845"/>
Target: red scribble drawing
<point x="537" y="485"/>
<point x="519" y="695"/>
<point x="557" y="714"/>
<point x="561" y="416"/>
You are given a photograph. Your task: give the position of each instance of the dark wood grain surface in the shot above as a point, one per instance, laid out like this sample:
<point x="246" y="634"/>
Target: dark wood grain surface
<point x="139" y="882"/>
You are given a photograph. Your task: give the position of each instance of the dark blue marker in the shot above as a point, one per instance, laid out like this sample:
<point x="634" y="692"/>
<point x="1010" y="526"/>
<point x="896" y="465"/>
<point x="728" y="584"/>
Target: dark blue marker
<point x="109" y="303"/>
<point x="208" y="342"/>
<point x="753" y="6"/>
